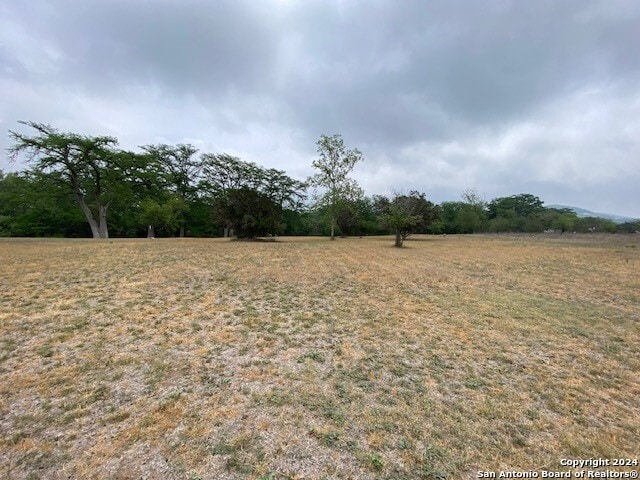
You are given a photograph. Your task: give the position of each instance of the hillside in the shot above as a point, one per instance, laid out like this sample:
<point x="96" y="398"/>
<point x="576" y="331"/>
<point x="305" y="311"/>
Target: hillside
<point x="583" y="212"/>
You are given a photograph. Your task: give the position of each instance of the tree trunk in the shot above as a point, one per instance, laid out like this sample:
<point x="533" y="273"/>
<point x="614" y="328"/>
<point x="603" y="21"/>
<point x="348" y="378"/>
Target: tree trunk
<point x="95" y="229"/>
<point x="181" y="231"/>
<point x="333" y="227"/>
<point x="150" y="232"/>
<point x="102" y="212"/>
<point x="398" y="239"/>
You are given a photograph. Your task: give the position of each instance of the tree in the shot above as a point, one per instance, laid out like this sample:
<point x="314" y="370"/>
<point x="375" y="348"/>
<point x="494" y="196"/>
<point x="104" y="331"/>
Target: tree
<point x="179" y="170"/>
<point x="88" y="166"/>
<point x="629" y="227"/>
<point x="253" y="213"/>
<point x="472" y="217"/>
<point x="165" y="215"/>
<point x="369" y="217"/>
<point x="407" y="214"/>
<point x="334" y="165"/>
<point x="595" y="225"/>
<point x="461" y="217"/>
<point x="228" y="181"/>
<point x="523" y="205"/>
<point x="562" y="219"/>
<point x="517" y="213"/>
<point x="563" y="222"/>
<point x="400" y="221"/>
<point x="34" y="205"/>
<point x="348" y="212"/>
<point x="427" y="212"/>
<point x="468" y="220"/>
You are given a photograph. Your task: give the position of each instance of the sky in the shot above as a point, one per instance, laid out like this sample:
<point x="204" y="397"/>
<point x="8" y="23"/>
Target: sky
<point x="441" y="96"/>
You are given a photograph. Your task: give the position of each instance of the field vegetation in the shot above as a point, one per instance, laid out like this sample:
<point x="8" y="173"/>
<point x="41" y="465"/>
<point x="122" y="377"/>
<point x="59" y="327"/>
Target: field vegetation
<point x="304" y="358"/>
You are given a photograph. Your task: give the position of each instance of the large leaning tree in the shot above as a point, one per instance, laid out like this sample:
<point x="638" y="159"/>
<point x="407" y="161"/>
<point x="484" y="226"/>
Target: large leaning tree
<point x="334" y="166"/>
<point x="90" y="167"/>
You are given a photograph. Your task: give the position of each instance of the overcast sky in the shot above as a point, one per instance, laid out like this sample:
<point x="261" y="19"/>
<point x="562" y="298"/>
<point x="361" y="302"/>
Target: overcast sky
<point x="507" y="97"/>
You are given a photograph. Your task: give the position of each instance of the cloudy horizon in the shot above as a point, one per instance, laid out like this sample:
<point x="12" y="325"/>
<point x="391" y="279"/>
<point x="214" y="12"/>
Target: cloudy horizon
<point x="504" y="97"/>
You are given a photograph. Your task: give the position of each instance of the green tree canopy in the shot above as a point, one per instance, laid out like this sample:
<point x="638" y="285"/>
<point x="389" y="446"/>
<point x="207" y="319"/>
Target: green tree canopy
<point x="522" y="205"/>
<point x="228" y="180"/>
<point x="407" y="214"/>
<point x="334" y="166"/>
<point x="90" y="167"/>
<point x="179" y="170"/>
<point x="35" y="205"/>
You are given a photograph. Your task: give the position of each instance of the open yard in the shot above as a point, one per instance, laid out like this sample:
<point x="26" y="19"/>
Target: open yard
<point x="305" y="358"/>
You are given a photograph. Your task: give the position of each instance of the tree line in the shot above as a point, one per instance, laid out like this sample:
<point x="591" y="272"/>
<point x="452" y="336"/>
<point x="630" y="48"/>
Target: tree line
<point x="80" y="186"/>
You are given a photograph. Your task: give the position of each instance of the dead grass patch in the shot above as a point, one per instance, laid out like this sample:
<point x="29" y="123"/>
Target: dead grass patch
<point x="304" y="358"/>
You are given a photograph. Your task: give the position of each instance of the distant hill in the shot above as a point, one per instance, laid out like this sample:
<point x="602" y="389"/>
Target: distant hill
<point x="583" y="212"/>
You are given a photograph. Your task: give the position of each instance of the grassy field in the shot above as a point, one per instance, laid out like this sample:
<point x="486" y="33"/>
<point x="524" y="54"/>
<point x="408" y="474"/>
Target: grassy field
<point x="305" y="358"/>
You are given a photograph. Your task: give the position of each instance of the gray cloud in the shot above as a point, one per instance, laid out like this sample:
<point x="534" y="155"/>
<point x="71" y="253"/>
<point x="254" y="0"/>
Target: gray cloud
<point x="504" y="96"/>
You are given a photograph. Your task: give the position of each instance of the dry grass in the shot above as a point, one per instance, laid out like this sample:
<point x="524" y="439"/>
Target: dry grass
<point x="306" y="358"/>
